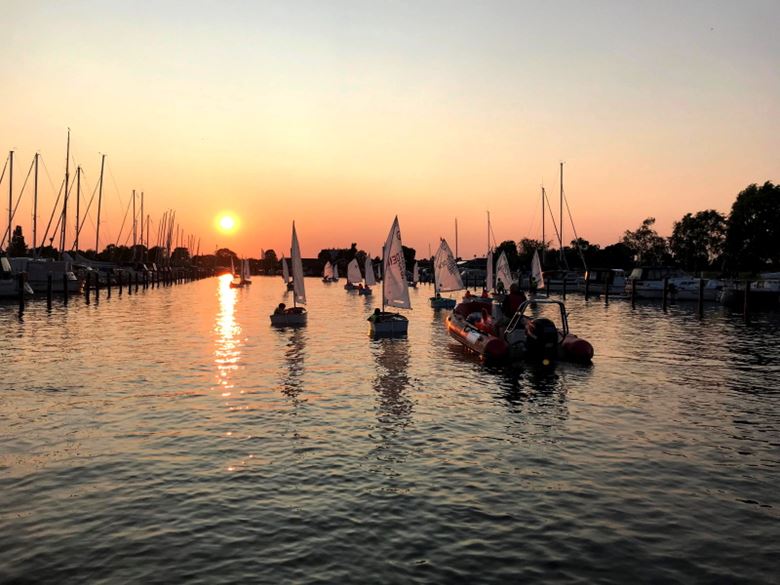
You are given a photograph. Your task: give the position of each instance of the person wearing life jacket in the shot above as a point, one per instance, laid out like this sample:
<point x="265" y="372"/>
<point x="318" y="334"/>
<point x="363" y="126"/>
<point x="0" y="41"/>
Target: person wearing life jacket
<point x="512" y="301"/>
<point x="485" y="294"/>
<point x="280" y="310"/>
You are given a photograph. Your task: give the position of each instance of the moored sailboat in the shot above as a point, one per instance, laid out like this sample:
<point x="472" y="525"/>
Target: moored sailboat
<point x="369" y="279"/>
<point x="395" y="288"/>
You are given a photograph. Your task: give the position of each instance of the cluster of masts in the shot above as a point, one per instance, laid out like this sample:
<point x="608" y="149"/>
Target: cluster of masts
<point x="170" y="234"/>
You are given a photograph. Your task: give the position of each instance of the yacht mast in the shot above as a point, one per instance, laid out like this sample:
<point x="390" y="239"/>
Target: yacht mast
<point x="456" y="238"/>
<point x="560" y="233"/>
<point x="65" y="199"/>
<point x="35" y="208"/>
<point x="10" y="197"/>
<point x="100" y="203"/>
<point x="135" y="227"/>
<point x="78" y="207"/>
<point x="544" y="196"/>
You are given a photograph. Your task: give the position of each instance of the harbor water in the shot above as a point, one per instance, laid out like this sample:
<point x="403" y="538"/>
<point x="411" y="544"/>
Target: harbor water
<point x="173" y="436"/>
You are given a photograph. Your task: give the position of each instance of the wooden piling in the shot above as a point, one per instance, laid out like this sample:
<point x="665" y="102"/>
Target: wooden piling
<point x="564" y="287"/>
<point x="129" y="284"/>
<point x="633" y="293"/>
<point x="119" y="282"/>
<point x="606" y="288"/>
<point x="65" y="288"/>
<point x="666" y="292"/>
<point x="587" y="286"/>
<point x="108" y="285"/>
<point x="136" y="282"/>
<point x="746" y="305"/>
<point x="48" y="289"/>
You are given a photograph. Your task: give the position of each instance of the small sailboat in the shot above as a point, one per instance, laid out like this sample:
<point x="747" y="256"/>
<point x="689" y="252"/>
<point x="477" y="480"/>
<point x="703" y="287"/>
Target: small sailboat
<point x="446" y="277"/>
<point x="327" y="272"/>
<point x="246" y="276"/>
<point x="370" y="279"/>
<point x="286" y="275"/>
<point x="295" y="315"/>
<point x="503" y="274"/>
<point x="354" y="278"/>
<point x="335" y="272"/>
<point x="415" y="275"/>
<point x="395" y="288"/>
<point x="236" y="282"/>
<point x="537" y="276"/>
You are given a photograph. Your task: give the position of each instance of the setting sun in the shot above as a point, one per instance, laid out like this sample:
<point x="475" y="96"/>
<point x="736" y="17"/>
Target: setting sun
<point x="227" y="223"/>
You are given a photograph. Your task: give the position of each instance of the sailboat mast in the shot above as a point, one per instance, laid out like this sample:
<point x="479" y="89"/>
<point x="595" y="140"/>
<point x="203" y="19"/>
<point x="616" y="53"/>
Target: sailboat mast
<point x="142" y="224"/>
<point x="560" y="233"/>
<point x="10" y="196"/>
<point x="544" y="196"/>
<point x="35" y="207"/>
<point x="384" y="274"/>
<point x="135" y="226"/>
<point x="65" y="199"/>
<point x="488" y="231"/>
<point x="78" y="206"/>
<point x="456" y="239"/>
<point x="100" y="204"/>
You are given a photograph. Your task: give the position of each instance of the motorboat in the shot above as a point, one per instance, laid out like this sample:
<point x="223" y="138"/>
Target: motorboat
<point x="9" y="281"/>
<point x="594" y="279"/>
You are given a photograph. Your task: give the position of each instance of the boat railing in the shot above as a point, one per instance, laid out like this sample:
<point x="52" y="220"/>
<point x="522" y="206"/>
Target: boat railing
<point x="517" y="318"/>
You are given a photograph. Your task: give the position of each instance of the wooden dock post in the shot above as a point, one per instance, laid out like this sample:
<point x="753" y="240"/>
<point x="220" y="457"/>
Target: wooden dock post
<point x="48" y="289"/>
<point x="108" y="285"/>
<point x="564" y="287"/>
<point x="666" y="292"/>
<point x="87" y="281"/>
<point x="746" y="305"/>
<point x="633" y="293"/>
<point x="701" y="298"/>
<point x="65" y="291"/>
<point x="136" y="282"/>
<point x="606" y="288"/>
<point x="129" y="284"/>
<point x="119" y="282"/>
<point x="587" y="286"/>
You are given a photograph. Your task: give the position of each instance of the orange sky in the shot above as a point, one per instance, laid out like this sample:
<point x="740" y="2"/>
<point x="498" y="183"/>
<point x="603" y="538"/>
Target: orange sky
<point x="342" y="116"/>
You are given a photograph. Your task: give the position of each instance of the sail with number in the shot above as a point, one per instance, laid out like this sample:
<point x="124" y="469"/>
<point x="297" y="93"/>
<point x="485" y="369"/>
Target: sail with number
<point x="299" y="293"/>
<point x="489" y="285"/>
<point x="353" y="272"/>
<point x="503" y="273"/>
<point x="285" y="271"/>
<point x="536" y="270"/>
<point x="369" y="268"/>
<point x="395" y="289"/>
<point x="447" y="276"/>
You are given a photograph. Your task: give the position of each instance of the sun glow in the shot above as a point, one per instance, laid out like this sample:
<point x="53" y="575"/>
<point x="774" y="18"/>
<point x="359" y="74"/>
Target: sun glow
<point x="227" y="223"/>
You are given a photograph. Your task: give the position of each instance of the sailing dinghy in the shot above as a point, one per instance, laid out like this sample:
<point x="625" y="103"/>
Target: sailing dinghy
<point x="446" y="277"/>
<point x="295" y="315"/>
<point x="395" y="288"/>
<point x="370" y="279"/>
<point x="354" y="278"/>
<point x="327" y="272"/>
<point x="286" y="275"/>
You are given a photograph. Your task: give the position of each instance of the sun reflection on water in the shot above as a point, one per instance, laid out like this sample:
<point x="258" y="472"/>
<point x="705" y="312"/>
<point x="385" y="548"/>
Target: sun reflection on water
<point x="227" y="352"/>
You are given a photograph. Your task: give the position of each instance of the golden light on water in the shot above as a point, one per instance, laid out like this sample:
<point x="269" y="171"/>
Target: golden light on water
<point x="227" y="330"/>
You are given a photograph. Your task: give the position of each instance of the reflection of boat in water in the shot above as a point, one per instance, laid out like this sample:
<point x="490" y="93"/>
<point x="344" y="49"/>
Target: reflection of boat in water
<point x="392" y="379"/>
<point x="524" y="337"/>
<point x="293" y="365"/>
<point x="295" y="315"/>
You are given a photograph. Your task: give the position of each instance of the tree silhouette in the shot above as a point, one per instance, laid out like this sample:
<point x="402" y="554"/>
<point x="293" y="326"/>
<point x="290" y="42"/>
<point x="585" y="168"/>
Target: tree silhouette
<point x="648" y="247"/>
<point x="697" y="240"/>
<point x="753" y="235"/>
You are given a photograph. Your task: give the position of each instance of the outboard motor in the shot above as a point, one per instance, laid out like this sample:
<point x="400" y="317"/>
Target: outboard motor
<point x="541" y="337"/>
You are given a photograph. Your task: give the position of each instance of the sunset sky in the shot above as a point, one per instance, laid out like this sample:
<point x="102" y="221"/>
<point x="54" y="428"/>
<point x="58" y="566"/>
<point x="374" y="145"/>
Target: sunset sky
<point x="340" y="115"/>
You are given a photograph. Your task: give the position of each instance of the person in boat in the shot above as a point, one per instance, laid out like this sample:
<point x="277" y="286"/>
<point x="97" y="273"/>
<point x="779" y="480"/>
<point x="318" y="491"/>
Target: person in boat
<point x="485" y="294"/>
<point x="280" y="310"/>
<point x="467" y="295"/>
<point x="512" y="301"/>
<point x="376" y="316"/>
<point x="500" y="286"/>
<point x="438" y="295"/>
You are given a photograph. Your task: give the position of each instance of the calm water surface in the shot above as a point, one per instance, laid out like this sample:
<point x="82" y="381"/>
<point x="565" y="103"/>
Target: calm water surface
<point x="174" y="436"/>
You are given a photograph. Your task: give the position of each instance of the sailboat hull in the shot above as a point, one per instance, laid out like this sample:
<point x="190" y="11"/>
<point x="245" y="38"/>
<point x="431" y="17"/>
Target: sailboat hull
<point x="389" y="324"/>
<point x="442" y="303"/>
<point x="289" y="319"/>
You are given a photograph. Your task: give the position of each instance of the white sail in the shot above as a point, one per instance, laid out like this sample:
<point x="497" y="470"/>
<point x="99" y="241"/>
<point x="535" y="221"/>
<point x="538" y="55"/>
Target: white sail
<point x="285" y="271"/>
<point x="353" y="272"/>
<point x="503" y="274"/>
<point x="536" y="270"/>
<point x="369" y="267"/>
<point x="335" y="272"/>
<point x="297" y="269"/>
<point x="489" y="281"/>
<point x="232" y="267"/>
<point x="446" y="272"/>
<point x="396" y="288"/>
<point x="245" y="274"/>
<point x="327" y="272"/>
<point x="416" y="273"/>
